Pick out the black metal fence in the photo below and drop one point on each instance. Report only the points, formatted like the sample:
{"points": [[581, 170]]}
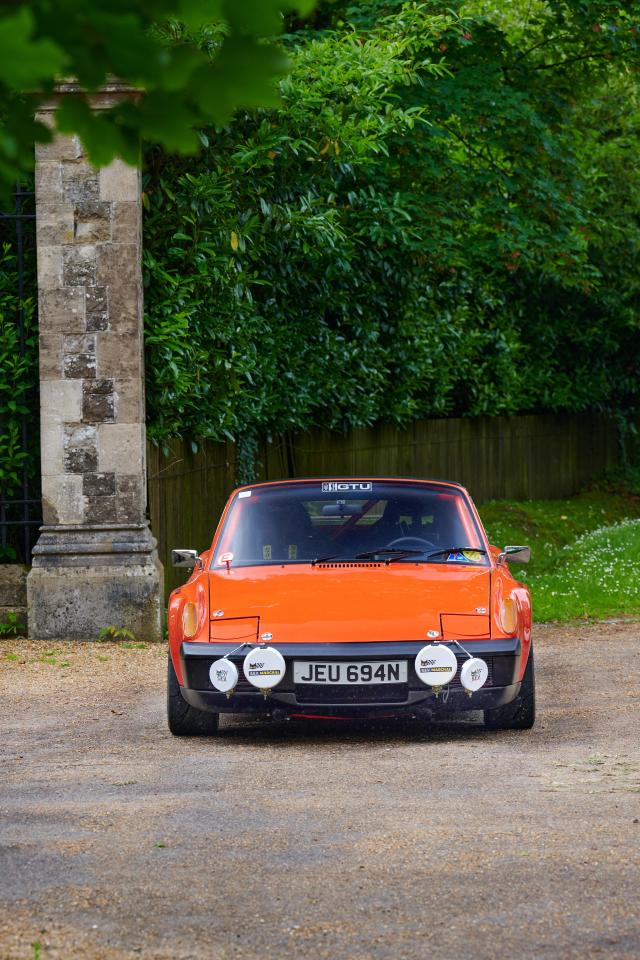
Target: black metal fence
{"points": [[21, 509]]}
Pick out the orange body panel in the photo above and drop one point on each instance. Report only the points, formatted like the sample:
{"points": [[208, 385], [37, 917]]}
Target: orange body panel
{"points": [[352, 603], [466, 626], [345, 603], [237, 628]]}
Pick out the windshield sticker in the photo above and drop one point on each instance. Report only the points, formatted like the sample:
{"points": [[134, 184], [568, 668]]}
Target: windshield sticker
{"points": [[456, 557], [473, 556], [244, 493], [344, 486], [266, 551], [293, 551]]}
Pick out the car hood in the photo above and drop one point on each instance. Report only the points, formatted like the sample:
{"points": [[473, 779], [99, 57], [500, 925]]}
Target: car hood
{"points": [[351, 603]]}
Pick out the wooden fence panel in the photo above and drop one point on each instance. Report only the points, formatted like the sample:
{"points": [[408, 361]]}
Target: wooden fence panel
{"points": [[541, 456]]}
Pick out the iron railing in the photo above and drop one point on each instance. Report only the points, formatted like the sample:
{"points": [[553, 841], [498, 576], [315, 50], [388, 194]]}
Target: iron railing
{"points": [[21, 515]]}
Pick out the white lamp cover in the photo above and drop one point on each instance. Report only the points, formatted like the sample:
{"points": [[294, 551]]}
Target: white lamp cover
{"points": [[223, 675], [436, 665], [264, 667], [473, 674]]}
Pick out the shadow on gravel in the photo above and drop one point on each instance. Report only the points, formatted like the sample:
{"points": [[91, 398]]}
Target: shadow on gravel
{"points": [[246, 731]]}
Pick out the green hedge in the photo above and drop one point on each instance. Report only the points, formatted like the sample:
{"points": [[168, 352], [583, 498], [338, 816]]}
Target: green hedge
{"points": [[433, 224]]}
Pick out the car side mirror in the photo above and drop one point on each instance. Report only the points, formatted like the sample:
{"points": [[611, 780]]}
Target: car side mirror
{"points": [[515, 555], [184, 558]]}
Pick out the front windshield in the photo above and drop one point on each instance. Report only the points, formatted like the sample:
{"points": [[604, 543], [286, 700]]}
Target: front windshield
{"points": [[315, 521]]}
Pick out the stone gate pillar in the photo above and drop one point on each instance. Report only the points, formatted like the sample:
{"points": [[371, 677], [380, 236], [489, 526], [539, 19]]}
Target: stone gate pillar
{"points": [[95, 563]]}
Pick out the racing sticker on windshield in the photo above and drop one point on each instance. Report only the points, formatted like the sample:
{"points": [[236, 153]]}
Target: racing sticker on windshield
{"points": [[293, 551], [266, 551], [473, 556], [456, 556], [244, 493], [347, 486]]}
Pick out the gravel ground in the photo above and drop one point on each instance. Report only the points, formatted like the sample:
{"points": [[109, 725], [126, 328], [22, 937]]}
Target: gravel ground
{"points": [[317, 841]]}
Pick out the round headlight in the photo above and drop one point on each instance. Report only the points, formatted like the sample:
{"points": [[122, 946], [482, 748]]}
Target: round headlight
{"points": [[190, 619]]}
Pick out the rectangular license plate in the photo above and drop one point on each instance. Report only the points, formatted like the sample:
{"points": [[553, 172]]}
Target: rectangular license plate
{"points": [[338, 671]]}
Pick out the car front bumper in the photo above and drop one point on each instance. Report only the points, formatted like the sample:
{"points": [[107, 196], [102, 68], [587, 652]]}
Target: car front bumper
{"points": [[346, 701]]}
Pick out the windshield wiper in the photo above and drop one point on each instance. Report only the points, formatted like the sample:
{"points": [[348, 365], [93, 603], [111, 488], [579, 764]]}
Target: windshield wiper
{"points": [[397, 553], [441, 553]]}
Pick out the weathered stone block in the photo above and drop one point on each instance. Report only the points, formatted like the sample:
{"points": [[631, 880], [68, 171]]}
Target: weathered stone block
{"points": [[62, 500], [62, 310], [80, 459], [98, 408], [80, 344], [60, 401], [80, 366], [119, 352], [13, 585], [119, 181], [49, 267], [54, 223], [129, 400], [100, 510], [80, 448], [79, 184], [92, 222], [62, 147], [99, 484], [79, 266], [118, 263], [76, 602], [98, 401], [127, 223], [131, 499], [125, 307], [51, 450], [51, 354], [120, 448], [81, 435], [48, 182], [97, 308], [103, 385]]}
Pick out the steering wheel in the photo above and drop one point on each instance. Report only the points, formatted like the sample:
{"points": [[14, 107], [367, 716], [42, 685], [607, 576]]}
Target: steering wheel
{"points": [[412, 543]]}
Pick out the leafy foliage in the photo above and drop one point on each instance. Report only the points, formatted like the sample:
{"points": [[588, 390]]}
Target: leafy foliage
{"points": [[440, 220], [18, 371], [115, 633], [11, 625], [201, 79]]}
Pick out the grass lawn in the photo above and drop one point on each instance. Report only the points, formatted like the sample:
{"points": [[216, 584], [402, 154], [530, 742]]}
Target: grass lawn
{"points": [[585, 552]]}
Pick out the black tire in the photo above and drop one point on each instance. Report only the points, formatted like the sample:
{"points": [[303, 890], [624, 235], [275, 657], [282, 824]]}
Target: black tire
{"points": [[185, 720], [520, 714]]}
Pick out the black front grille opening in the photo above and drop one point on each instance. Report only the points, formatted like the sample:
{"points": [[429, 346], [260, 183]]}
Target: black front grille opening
{"points": [[346, 693]]}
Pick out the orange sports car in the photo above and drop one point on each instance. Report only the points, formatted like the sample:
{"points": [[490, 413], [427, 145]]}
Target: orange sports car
{"points": [[350, 597]]}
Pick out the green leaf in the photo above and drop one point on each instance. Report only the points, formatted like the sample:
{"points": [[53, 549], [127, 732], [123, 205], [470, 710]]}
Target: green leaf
{"points": [[26, 62]]}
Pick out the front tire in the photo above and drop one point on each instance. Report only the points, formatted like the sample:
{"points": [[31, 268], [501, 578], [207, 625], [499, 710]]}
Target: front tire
{"points": [[520, 714], [185, 720]]}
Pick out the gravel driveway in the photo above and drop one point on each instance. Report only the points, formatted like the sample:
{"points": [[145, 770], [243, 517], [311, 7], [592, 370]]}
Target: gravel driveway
{"points": [[317, 841]]}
